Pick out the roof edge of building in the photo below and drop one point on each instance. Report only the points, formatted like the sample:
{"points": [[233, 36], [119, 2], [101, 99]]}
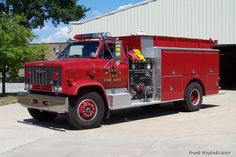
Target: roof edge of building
{"points": [[112, 12]]}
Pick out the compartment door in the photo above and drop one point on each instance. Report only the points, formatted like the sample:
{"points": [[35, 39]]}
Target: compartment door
{"points": [[172, 88], [212, 83]]}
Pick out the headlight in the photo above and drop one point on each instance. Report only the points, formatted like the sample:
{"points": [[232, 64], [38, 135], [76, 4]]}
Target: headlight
{"points": [[57, 89], [28, 86]]}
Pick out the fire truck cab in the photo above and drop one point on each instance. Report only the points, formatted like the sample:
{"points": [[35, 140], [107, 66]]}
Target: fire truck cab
{"points": [[97, 73]]}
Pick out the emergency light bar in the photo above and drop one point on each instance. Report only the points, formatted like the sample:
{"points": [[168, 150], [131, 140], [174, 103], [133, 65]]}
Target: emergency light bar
{"points": [[102, 35]]}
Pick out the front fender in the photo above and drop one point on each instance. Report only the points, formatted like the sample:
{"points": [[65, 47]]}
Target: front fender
{"points": [[74, 88], [78, 86], [90, 83]]}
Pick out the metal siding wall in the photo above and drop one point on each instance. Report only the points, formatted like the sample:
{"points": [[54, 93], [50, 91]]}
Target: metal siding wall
{"points": [[186, 18]]}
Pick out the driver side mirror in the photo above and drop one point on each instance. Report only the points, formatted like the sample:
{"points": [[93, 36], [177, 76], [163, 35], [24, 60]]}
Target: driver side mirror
{"points": [[56, 51]]}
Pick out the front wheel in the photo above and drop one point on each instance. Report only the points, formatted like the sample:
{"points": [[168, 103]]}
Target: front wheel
{"points": [[192, 98], [87, 111], [42, 115]]}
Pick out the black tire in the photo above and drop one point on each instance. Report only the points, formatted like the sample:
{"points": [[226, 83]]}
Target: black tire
{"points": [[86, 111], [192, 98], [42, 115]]}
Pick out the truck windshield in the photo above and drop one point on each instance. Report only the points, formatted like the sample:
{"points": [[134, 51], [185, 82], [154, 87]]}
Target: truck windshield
{"points": [[80, 50]]}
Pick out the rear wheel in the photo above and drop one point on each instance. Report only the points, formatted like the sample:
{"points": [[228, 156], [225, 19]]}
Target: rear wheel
{"points": [[192, 98], [42, 115], [87, 111]]}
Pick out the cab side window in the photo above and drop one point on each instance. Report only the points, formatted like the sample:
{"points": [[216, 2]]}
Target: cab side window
{"points": [[107, 51]]}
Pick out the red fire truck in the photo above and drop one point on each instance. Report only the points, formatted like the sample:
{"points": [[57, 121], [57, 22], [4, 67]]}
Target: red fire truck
{"points": [[97, 73]]}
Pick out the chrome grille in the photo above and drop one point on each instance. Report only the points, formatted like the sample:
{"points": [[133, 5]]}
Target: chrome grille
{"points": [[42, 75]]}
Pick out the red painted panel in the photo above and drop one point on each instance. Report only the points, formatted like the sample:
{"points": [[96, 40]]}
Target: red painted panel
{"points": [[134, 41], [205, 44], [172, 62], [172, 88], [166, 41], [112, 77], [131, 42], [184, 42], [193, 63], [198, 65], [211, 62], [212, 83]]}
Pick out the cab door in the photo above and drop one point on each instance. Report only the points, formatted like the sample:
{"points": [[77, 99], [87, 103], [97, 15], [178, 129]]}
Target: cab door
{"points": [[113, 71]]}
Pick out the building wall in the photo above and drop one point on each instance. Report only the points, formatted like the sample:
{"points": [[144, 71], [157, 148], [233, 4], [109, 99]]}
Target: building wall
{"points": [[205, 19]]}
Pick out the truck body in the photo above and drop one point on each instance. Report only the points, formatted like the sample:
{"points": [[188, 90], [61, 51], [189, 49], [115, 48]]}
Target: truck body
{"points": [[97, 73]]}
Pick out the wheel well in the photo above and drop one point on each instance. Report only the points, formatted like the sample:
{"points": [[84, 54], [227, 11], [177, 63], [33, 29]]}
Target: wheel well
{"points": [[100, 91], [199, 82]]}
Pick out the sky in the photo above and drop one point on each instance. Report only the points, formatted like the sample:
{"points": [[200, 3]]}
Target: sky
{"points": [[50, 34]]}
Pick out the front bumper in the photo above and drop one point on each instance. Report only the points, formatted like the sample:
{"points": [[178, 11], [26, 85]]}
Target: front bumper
{"points": [[43, 102]]}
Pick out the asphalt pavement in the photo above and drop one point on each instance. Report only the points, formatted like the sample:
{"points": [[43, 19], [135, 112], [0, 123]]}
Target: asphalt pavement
{"points": [[138, 132]]}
